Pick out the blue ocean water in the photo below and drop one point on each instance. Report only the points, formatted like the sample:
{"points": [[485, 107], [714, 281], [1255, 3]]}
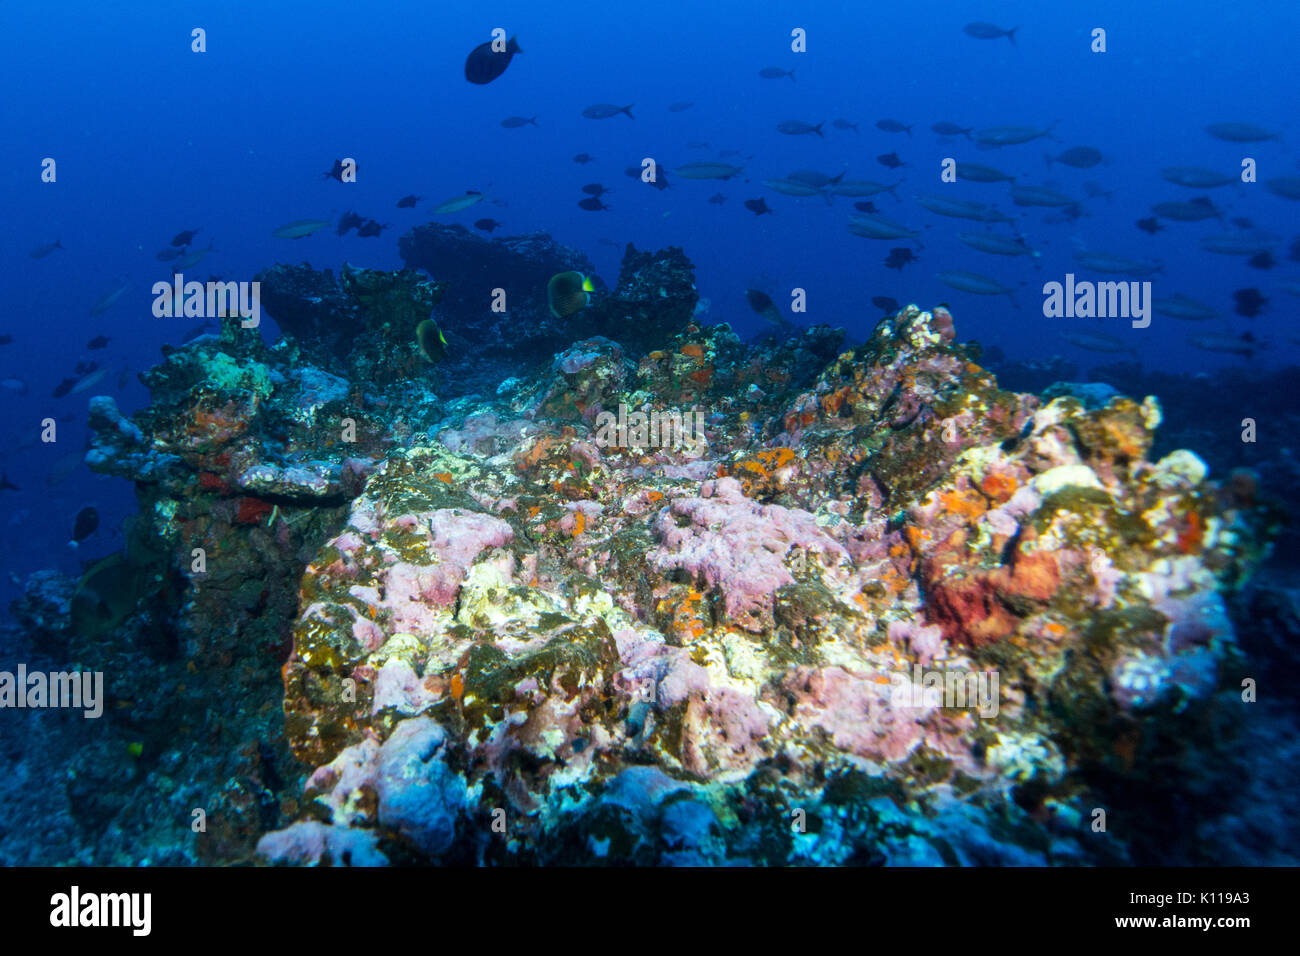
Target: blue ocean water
{"points": [[151, 138]]}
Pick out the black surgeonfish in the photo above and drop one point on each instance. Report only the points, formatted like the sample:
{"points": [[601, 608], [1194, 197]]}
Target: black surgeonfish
{"points": [[483, 65], [85, 525]]}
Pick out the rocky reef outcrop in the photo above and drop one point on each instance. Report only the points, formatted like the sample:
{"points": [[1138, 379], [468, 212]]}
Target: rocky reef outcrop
{"points": [[651, 595], [884, 612]]}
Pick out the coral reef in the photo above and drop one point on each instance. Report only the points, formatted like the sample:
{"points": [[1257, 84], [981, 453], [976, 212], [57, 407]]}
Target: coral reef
{"points": [[650, 596]]}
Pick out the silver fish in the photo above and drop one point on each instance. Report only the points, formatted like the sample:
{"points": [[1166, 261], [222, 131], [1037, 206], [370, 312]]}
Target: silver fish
{"points": [[1244, 344], [1097, 342], [975, 283], [814, 178], [457, 203], [107, 300], [1010, 135], [1105, 262], [1040, 196], [195, 256], [961, 209], [1080, 157], [798, 128], [1240, 132], [1179, 306], [861, 188], [300, 228], [997, 245], [90, 381], [1192, 211], [1247, 242], [1195, 177], [878, 227], [606, 110], [790, 188], [707, 170], [978, 173]]}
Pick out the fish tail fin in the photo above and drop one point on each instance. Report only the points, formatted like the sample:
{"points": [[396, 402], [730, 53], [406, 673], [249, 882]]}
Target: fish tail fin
{"points": [[790, 73], [58, 244], [836, 179], [628, 110], [1011, 35], [909, 129], [967, 132], [818, 129], [512, 46], [533, 120]]}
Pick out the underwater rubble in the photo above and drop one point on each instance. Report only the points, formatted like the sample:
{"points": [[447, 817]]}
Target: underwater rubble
{"points": [[662, 597]]}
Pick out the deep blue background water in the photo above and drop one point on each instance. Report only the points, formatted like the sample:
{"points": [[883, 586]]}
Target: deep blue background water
{"points": [[151, 138]]}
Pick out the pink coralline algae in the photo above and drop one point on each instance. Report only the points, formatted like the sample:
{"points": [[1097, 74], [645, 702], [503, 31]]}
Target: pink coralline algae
{"points": [[626, 657], [736, 545]]}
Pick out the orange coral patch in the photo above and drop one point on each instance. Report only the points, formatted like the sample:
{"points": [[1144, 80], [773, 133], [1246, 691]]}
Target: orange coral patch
{"points": [[999, 486]]}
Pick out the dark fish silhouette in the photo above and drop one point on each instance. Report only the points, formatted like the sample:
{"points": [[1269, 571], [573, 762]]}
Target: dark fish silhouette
{"points": [[594, 189], [899, 257], [63, 388], [890, 159], [757, 206], [1151, 224], [6, 339], [717, 199], [775, 73], [660, 181], [184, 238], [1262, 260], [885, 303], [607, 110], [408, 202], [370, 228], [487, 225], [762, 303], [893, 126], [350, 220], [592, 204], [334, 172], [1080, 157], [865, 205], [483, 65], [85, 525], [952, 129], [6, 484], [584, 158], [98, 342], [988, 31], [1250, 302]]}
